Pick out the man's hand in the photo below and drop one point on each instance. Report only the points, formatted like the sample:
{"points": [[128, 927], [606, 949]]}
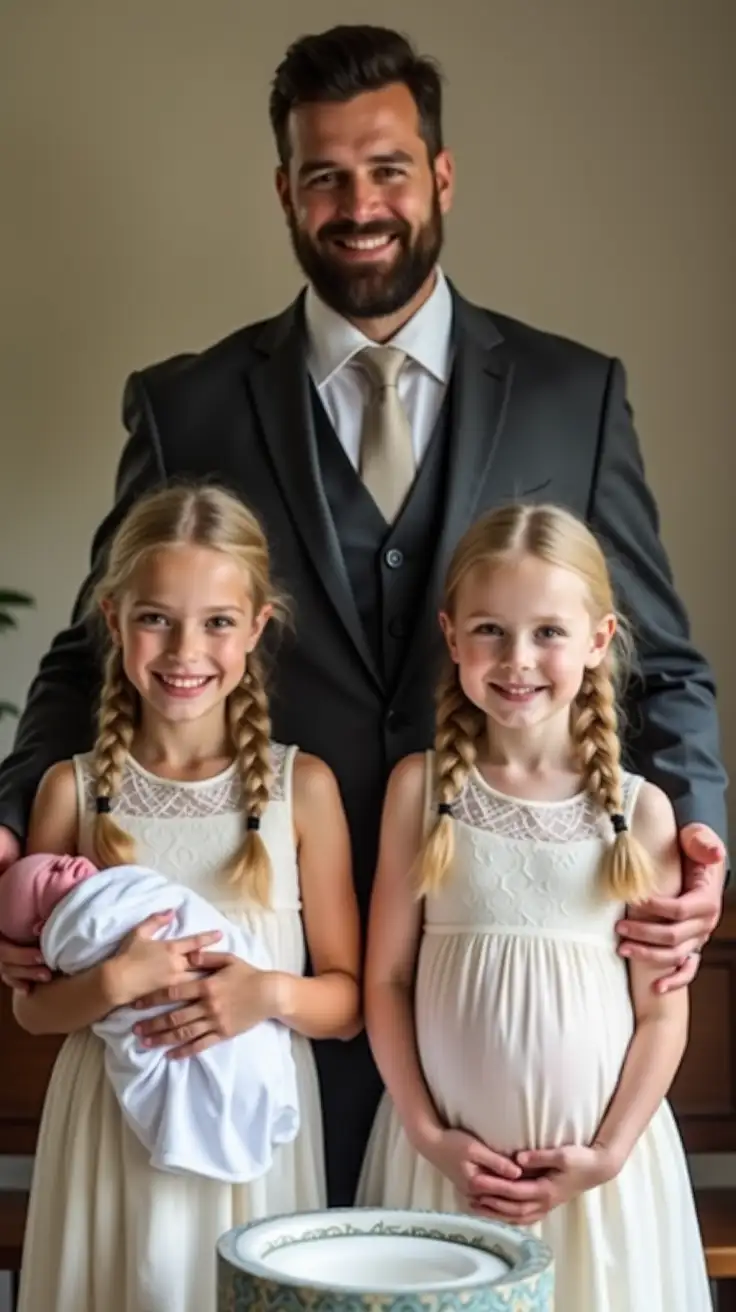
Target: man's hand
{"points": [[19, 967], [672, 931], [9, 848]]}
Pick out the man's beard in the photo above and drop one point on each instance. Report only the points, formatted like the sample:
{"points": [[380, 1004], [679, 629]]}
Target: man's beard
{"points": [[370, 292]]}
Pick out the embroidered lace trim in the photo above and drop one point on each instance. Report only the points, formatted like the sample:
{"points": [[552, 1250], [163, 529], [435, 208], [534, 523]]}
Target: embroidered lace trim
{"points": [[142, 795], [508, 817]]}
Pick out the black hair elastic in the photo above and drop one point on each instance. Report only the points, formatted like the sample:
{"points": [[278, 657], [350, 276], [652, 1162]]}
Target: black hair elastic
{"points": [[619, 823], [444, 808], [102, 805], [253, 822]]}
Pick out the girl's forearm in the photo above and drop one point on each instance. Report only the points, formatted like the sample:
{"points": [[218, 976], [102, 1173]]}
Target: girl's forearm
{"points": [[654, 1054], [321, 1007], [69, 1003], [390, 1024]]}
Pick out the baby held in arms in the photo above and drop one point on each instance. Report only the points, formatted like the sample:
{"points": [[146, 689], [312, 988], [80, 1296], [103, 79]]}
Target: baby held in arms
{"points": [[219, 1113]]}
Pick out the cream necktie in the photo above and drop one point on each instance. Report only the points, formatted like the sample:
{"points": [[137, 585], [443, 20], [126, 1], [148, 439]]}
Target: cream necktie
{"points": [[387, 465]]}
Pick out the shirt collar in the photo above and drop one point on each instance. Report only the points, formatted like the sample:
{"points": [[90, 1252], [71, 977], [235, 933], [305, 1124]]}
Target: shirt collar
{"points": [[426, 338]]}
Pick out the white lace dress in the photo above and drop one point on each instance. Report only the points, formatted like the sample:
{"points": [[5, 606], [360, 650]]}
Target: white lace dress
{"points": [[106, 1232], [523, 1019]]}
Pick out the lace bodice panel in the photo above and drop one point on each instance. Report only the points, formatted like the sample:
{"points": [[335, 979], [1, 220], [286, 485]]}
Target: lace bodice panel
{"points": [[527, 866], [143, 793], [190, 831]]}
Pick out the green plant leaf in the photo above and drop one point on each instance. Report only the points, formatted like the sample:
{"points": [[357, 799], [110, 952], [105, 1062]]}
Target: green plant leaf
{"points": [[10, 598], [7, 708], [7, 621]]}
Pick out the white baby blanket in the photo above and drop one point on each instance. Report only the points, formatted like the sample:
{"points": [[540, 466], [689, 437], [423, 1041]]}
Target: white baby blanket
{"points": [[219, 1113]]}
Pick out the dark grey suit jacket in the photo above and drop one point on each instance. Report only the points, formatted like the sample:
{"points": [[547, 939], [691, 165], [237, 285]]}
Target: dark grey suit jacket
{"points": [[534, 417]]}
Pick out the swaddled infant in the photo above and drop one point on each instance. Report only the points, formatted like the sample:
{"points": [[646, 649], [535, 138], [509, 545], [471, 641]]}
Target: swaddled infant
{"points": [[219, 1113]]}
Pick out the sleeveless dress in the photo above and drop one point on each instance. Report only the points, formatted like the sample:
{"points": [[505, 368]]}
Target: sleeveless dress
{"points": [[106, 1232], [523, 1018]]}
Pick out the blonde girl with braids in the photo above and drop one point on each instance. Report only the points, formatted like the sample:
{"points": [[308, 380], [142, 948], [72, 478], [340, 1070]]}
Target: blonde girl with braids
{"points": [[526, 1068], [184, 777]]}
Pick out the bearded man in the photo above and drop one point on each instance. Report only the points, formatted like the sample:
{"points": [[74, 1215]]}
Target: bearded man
{"points": [[367, 425]]}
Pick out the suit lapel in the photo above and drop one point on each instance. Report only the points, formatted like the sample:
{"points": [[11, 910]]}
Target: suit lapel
{"points": [[482, 377], [279, 384]]}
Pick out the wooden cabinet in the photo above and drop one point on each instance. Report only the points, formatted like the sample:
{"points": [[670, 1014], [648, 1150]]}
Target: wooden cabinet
{"points": [[25, 1066], [704, 1093]]}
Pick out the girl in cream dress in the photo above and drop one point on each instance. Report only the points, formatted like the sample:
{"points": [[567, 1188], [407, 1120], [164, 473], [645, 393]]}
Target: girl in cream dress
{"points": [[184, 777], [526, 1069]]}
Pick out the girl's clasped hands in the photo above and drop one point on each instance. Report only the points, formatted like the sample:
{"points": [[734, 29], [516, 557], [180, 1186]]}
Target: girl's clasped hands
{"points": [[523, 1188]]}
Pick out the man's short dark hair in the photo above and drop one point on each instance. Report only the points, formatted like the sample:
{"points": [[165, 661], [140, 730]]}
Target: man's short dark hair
{"points": [[346, 61]]}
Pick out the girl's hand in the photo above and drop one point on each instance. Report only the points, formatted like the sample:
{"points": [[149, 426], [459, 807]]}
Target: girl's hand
{"points": [[143, 963], [229, 1001], [564, 1173], [471, 1166]]}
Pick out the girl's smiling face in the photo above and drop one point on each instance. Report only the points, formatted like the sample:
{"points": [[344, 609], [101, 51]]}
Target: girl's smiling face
{"points": [[522, 636], [186, 624]]}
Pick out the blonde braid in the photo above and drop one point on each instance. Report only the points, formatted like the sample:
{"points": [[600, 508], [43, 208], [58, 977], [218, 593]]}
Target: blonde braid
{"points": [[595, 734], [627, 873], [250, 729], [459, 725], [115, 727]]}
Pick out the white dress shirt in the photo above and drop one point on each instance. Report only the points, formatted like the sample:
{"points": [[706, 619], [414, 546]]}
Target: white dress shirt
{"points": [[343, 385]]}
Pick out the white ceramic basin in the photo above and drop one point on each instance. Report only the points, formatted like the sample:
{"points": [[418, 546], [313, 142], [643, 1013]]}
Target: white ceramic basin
{"points": [[342, 1260], [400, 1263]]}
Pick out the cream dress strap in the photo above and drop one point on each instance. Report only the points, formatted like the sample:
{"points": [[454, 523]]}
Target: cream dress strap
{"points": [[81, 787], [287, 783], [631, 786], [429, 784]]}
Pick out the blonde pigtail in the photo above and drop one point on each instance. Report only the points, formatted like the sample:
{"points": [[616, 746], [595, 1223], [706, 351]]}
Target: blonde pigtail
{"points": [[458, 727], [115, 727], [627, 873], [250, 728]]}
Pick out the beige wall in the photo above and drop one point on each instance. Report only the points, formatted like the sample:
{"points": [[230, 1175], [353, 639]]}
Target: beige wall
{"points": [[596, 146]]}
